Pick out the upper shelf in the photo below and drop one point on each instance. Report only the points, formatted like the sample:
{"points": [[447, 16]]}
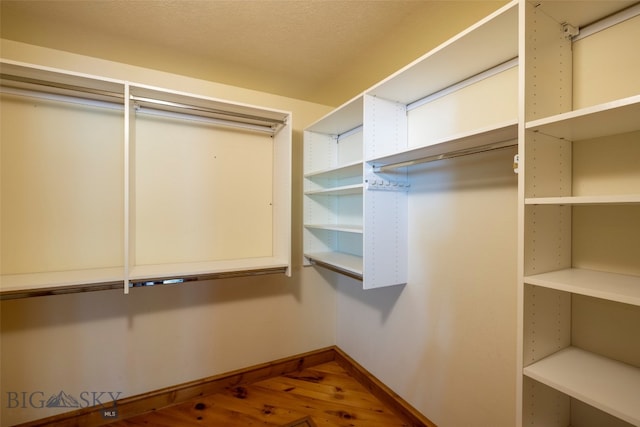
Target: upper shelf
{"points": [[611, 118], [49, 80], [156, 99], [490, 42], [587, 13], [343, 119]]}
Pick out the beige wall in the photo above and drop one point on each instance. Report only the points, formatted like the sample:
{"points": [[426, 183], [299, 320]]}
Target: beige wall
{"points": [[446, 341], [158, 337]]}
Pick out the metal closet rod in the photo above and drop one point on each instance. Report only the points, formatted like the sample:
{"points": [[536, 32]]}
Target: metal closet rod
{"points": [[207, 110], [451, 155]]}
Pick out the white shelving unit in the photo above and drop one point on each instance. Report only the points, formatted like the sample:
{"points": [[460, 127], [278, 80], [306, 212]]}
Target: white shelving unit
{"points": [[580, 195], [431, 84], [144, 201], [62, 223], [333, 191], [397, 125]]}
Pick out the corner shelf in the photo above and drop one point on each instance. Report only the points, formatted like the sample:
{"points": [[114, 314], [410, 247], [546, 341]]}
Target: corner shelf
{"points": [[603, 383]]}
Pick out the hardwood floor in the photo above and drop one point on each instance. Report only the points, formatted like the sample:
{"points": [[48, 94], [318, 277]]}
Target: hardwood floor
{"points": [[321, 388], [326, 393]]}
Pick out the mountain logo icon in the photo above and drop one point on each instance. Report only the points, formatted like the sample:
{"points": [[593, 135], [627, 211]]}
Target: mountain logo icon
{"points": [[62, 400]]}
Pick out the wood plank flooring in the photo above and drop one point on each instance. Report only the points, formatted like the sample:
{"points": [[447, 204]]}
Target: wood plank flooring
{"points": [[326, 393]]}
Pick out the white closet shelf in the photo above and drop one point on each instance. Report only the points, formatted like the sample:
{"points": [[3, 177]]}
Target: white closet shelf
{"points": [[501, 134], [49, 80], [338, 260], [611, 118], [200, 270], [18, 285], [343, 119], [434, 72], [343, 171], [599, 284], [587, 13], [337, 191], [606, 384], [347, 228], [157, 99], [617, 199]]}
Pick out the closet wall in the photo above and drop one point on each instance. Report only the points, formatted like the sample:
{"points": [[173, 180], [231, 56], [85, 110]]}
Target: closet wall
{"points": [[447, 339], [161, 336]]}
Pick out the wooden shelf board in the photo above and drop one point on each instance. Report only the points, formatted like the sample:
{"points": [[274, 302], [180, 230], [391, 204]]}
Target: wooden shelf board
{"points": [[351, 169], [467, 141], [621, 199], [498, 36], [340, 260], [337, 191], [610, 286], [347, 228], [611, 118], [606, 384]]}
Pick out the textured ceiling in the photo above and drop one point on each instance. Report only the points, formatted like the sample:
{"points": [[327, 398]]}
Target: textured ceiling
{"points": [[317, 50]]}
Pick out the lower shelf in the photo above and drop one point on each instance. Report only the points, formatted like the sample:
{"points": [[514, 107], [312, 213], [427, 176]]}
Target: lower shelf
{"points": [[207, 269], [59, 282], [342, 262], [606, 384], [66, 282]]}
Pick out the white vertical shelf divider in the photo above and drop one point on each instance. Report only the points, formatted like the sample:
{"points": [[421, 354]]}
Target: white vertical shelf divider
{"points": [[385, 196], [128, 123]]}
